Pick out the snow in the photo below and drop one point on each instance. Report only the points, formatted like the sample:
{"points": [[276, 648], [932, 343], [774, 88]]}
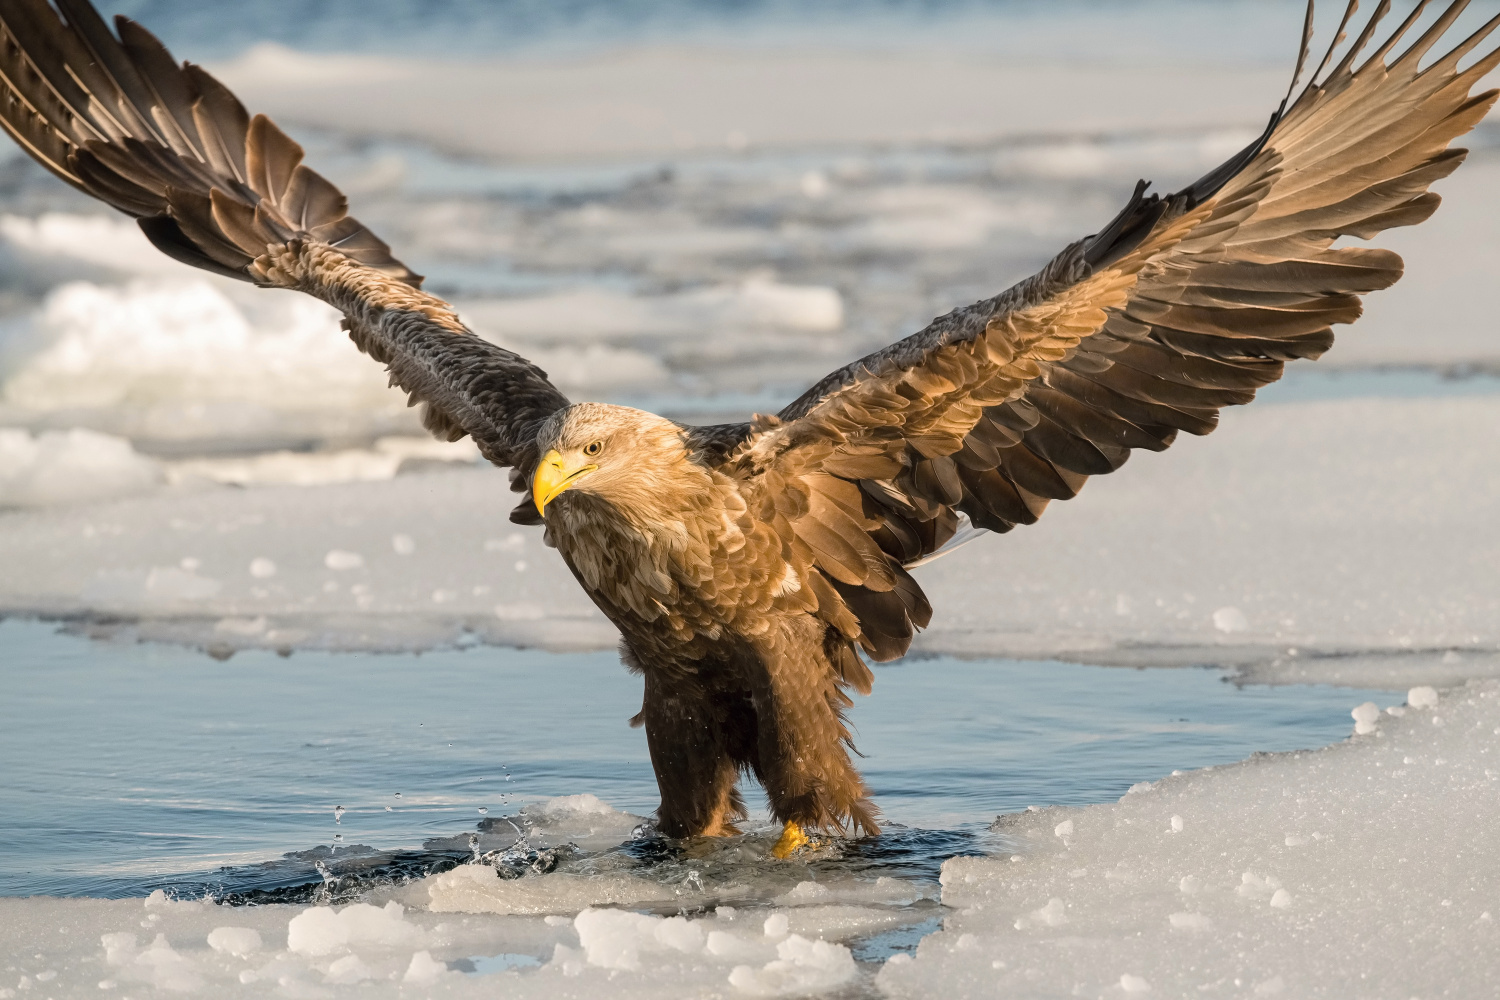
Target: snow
{"points": [[630, 102], [73, 466], [1355, 538], [588, 314], [1284, 874], [353, 949], [1371, 860]]}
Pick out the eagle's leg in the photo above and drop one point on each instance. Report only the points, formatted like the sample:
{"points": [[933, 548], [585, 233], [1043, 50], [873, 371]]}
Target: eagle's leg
{"points": [[803, 757], [691, 733]]}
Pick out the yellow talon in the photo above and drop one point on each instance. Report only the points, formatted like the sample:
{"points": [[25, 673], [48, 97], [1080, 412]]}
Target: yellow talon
{"points": [[792, 837]]}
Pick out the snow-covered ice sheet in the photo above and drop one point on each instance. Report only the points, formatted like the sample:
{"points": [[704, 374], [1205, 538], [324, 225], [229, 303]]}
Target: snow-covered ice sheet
{"points": [[632, 103], [1370, 868], [1347, 540], [76, 948], [1290, 874], [470, 932]]}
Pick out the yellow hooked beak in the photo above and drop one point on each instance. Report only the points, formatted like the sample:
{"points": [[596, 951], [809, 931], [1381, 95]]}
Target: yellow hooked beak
{"points": [[552, 477]]}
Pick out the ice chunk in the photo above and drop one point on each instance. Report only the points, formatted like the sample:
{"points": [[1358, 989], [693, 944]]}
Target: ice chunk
{"points": [[60, 467], [1422, 697], [186, 356], [814, 184], [119, 947], [804, 892], [884, 890], [322, 930], [341, 560], [801, 966], [614, 939], [1176, 824], [1134, 984], [166, 969], [238, 941], [349, 969], [583, 819], [403, 545], [1190, 922], [169, 584], [479, 889], [97, 239], [1063, 829], [1229, 619], [262, 568], [1054, 914], [1253, 886], [1365, 717], [758, 303], [424, 969]]}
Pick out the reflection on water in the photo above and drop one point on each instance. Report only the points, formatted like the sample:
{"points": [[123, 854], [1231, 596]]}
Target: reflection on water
{"points": [[136, 767]]}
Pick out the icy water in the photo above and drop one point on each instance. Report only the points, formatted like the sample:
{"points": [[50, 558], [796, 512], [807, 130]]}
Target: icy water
{"points": [[136, 767]]}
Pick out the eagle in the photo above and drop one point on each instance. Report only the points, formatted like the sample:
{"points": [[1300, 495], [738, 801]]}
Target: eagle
{"points": [[755, 569]]}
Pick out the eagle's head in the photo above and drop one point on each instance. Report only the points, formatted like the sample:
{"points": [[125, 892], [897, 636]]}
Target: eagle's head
{"points": [[626, 457]]}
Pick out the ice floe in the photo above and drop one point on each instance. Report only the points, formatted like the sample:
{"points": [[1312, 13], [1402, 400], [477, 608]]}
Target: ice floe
{"points": [[1350, 541], [1276, 875], [63, 467], [1290, 873], [195, 947]]}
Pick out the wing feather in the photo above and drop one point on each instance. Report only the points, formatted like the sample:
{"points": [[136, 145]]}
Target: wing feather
{"points": [[216, 188], [1178, 307]]}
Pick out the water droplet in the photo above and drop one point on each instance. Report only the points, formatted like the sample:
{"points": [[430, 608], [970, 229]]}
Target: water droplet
{"points": [[338, 814], [337, 837], [398, 795], [483, 811], [389, 809]]}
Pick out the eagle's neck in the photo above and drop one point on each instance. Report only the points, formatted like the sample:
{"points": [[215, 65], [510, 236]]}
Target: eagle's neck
{"points": [[651, 554]]}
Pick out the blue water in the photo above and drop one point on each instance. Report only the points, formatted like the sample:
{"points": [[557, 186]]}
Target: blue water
{"points": [[134, 767]]}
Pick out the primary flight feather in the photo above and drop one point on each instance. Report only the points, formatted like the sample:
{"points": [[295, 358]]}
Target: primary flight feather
{"points": [[752, 567]]}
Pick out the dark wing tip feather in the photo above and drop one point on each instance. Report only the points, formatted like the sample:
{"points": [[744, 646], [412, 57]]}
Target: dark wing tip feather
{"points": [[115, 115]]}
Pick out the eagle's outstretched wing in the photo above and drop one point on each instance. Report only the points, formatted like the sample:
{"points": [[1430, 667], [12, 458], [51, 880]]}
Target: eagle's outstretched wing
{"points": [[211, 186], [1180, 306]]}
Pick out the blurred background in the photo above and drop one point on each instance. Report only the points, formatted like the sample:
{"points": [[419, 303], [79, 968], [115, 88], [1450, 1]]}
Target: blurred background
{"points": [[694, 206]]}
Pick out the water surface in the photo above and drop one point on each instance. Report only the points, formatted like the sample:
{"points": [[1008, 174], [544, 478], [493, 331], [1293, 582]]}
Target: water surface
{"points": [[135, 767]]}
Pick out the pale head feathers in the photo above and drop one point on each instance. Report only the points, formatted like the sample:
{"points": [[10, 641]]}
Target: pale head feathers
{"points": [[642, 459]]}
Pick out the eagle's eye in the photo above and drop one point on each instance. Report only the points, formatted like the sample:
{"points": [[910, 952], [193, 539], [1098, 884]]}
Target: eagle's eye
{"points": [[593, 448]]}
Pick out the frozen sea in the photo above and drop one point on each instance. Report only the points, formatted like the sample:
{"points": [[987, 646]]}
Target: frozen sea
{"points": [[289, 708]]}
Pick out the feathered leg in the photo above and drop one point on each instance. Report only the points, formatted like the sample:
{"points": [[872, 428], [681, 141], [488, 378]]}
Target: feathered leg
{"points": [[697, 740], [803, 744]]}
